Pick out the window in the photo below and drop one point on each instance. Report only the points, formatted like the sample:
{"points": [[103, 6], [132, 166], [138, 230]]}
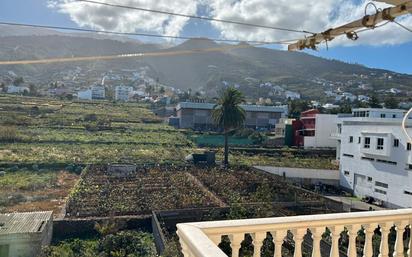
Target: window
{"points": [[379, 145], [369, 179], [388, 162], [367, 142], [383, 115], [380, 184], [396, 143], [394, 116], [351, 139], [367, 159], [346, 173], [407, 192], [348, 155], [380, 191], [359, 140], [408, 146]]}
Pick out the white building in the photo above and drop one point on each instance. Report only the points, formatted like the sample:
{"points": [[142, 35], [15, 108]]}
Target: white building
{"points": [[24, 234], [94, 92], [375, 157], [12, 89], [292, 95], [122, 93], [325, 125]]}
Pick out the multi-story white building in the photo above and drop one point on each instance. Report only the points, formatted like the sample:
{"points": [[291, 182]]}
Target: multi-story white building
{"points": [[122, 93], [94, 92], [375, 156]]}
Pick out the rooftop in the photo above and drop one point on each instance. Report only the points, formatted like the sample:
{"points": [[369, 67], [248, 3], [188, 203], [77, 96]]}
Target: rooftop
{"points": [[25, 222], [378, 110], [246, 107]]}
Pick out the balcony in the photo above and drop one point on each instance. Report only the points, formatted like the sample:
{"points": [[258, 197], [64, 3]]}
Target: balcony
{"points": [[202, 239]]}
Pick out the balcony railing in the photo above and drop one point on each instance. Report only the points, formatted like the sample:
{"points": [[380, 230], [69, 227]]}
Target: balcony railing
{"points": [[202, 239]]}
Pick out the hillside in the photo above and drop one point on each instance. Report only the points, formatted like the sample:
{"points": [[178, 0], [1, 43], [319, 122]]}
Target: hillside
{"points": [[246, 67]]}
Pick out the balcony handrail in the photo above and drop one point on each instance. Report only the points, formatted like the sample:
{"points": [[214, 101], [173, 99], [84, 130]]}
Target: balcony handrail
{"points": [[202, 238]]}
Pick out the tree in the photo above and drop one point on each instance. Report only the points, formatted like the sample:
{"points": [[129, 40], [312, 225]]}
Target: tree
{"points": [[228, 115], [18, 81], [374, 102], [391, 103]]}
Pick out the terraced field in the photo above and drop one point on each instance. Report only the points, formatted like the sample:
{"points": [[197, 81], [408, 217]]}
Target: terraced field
{"points": [[101, 193]]}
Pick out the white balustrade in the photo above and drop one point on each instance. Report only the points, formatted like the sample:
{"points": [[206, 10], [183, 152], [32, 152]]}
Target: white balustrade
{"points": [[202, 239]]}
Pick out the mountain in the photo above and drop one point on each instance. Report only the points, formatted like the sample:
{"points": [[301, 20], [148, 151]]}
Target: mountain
{"points": [[199, 64]]}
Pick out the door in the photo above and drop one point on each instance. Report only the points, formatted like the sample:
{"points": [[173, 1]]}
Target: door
{"points": [[361, 186]]}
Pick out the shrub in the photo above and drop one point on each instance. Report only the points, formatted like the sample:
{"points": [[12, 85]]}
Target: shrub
{"points": [[8, 134]]}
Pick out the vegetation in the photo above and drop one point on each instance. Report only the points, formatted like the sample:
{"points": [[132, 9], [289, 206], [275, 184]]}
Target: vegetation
{"points": [[228, 115], [120, 244], [45, 131], [100, 193], [35, 189]]}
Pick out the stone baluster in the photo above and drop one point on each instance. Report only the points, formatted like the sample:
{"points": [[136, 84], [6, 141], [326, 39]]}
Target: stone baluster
{"points": [[185, 250], [369, 232], [278, 237], [385, 230], [298, 236], [258, 242], [235, 241], [400, 229], [335, 234], [410, 239], [353, 234], [317, 237]]}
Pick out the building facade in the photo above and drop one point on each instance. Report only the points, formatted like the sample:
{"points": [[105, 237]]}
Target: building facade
{"points": [[313, 130], [24, 234], [375, 157], [199, 116], [122, 93]]}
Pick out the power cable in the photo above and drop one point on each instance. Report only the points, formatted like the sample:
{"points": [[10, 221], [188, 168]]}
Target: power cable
{"points": [[402, 26], [145, 34], [195, 17]]}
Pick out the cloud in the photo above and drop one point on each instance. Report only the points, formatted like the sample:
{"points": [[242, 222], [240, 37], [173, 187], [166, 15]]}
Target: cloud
{"points": [[126, 20], [310, 15]]}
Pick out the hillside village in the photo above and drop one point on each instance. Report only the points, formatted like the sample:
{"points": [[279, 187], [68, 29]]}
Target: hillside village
{"points": [[116, 142]]}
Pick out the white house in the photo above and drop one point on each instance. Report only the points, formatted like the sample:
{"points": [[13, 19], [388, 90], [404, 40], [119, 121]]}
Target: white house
{"points": [[292, 95], [12, 89], [375, 156], [325, 125], [122, 93], [94, 92]]}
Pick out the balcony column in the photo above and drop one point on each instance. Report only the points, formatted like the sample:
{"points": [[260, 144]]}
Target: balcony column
{"points": [[400, 229], [353, 234], [369, 231], [278, 237], [384, 249], [410, 239], [235, 241], [335, 233], [258, 242], [317, 237], [298, 236]]}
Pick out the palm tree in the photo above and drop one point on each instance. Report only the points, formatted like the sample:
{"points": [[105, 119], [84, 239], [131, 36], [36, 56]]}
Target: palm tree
{"points": [[228, 114]]}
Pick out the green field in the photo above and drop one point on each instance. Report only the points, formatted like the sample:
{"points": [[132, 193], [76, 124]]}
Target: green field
{"points": [[49, 131], [218, 140]]}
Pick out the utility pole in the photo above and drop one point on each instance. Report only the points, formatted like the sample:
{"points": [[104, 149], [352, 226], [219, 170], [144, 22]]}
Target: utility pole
{"points": [[400, 8]]}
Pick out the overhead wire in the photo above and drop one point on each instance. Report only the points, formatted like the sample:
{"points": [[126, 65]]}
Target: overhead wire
{"points": [[141, 34], [195, 16]]}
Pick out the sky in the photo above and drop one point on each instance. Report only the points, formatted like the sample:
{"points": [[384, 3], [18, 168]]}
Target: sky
{"points": [[388, 47]]}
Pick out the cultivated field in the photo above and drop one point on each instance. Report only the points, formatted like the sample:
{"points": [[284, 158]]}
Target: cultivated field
{"points": [[101, 193]]}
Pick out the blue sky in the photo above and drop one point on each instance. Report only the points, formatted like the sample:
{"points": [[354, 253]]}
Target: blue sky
{"points": [[392, 57]]}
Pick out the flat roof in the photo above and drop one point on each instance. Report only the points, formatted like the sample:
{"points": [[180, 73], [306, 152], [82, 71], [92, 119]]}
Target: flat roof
{"points": [[378, 110], [246, 107], [23, 222]]}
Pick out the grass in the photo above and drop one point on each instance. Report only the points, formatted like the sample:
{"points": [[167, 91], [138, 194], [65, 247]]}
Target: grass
{"points": [[218, 140], [28, 180]]}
